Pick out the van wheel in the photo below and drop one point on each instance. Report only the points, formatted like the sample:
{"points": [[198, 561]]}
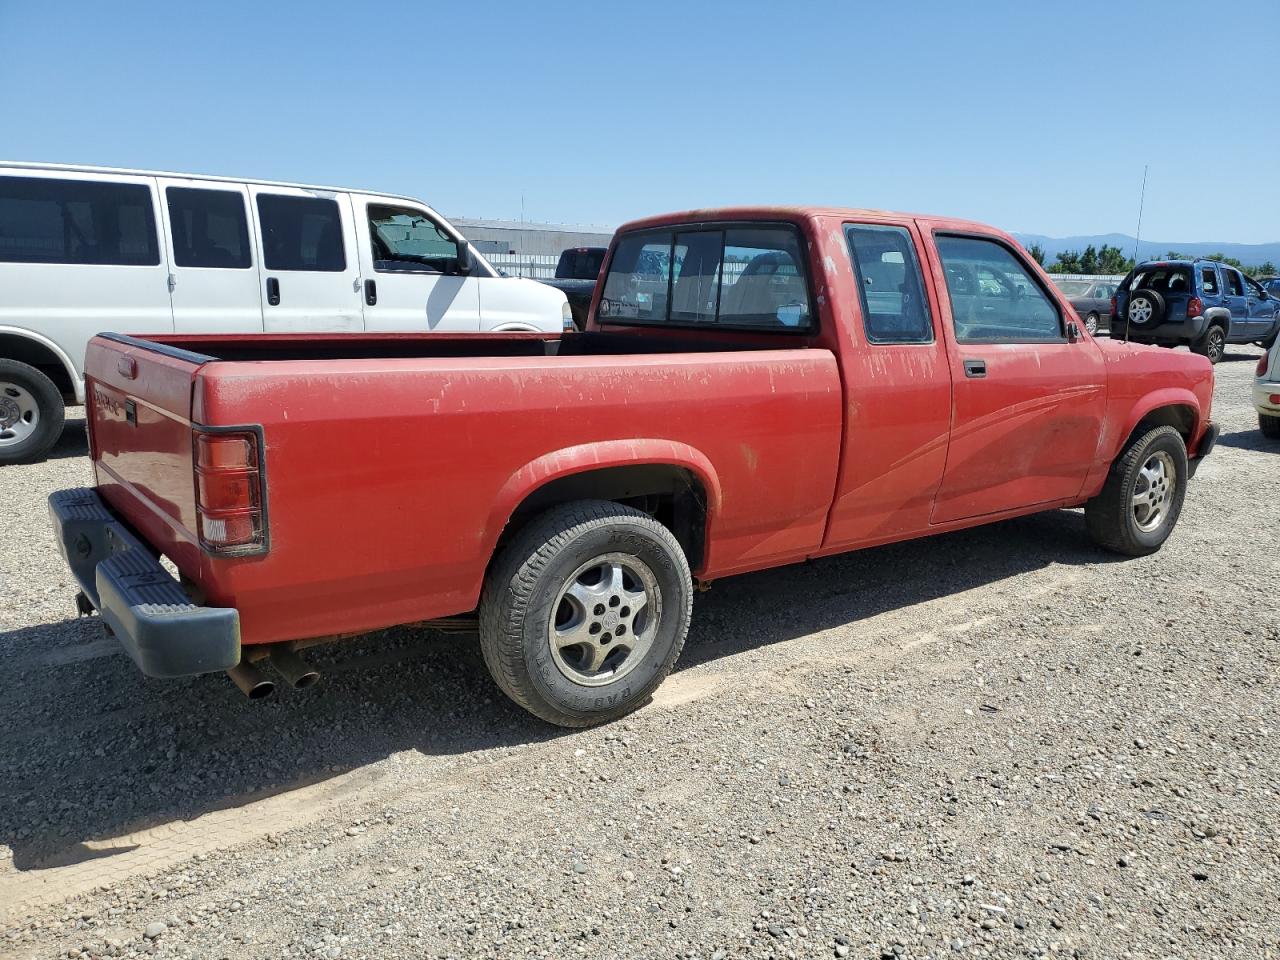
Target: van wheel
{"points": [[1212, 345], [31, 413], [1142, 498], [584, 613]]}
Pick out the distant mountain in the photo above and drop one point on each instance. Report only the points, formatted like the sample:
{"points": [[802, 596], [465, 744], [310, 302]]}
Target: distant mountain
{"points": [[1247, 253]]}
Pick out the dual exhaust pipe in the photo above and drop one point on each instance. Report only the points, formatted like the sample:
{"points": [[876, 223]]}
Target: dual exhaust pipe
{"points": [[256, 685]]}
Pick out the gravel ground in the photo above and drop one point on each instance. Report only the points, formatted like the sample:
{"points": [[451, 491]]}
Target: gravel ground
{"points": [[994, 743]]}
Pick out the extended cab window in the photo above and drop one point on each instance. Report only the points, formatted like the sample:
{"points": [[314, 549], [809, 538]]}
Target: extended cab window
{"points": [[993, 297], [406, 240], [51, 220], [889, 284], [747, 276], [209, 228], [301, 233]]}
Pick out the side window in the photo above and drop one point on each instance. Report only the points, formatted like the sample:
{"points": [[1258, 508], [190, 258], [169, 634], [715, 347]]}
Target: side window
{"points": [[1254, 288], [1231, 280], [993, 298], [50, 220], [209, 228], [301, 233], [407, 240], [889, 284], [1209, 281], [748, 276]]}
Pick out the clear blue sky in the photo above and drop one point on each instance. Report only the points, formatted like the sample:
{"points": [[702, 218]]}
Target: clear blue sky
{"points": [[1012, 113]]}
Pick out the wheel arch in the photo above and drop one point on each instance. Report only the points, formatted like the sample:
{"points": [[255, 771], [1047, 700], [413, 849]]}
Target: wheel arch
{"points": [[1171, 407], [36, 350], [674, 481]]}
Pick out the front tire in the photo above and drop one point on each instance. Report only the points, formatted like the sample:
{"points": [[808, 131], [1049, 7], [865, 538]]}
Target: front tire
{"points": [[1140, 503], [1269, 424], [31, 413], [585, 612]]}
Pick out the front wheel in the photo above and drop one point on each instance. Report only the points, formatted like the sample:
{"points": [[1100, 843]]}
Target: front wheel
{"points": [[31, 413], [585, 612], [1139, 504], [1269, 424]]}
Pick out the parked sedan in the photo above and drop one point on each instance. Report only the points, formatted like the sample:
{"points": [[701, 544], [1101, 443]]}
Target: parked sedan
{"points": [[1091, 300]]}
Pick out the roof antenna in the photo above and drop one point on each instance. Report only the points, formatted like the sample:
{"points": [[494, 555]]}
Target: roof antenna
{"points": [[1137, 238]]}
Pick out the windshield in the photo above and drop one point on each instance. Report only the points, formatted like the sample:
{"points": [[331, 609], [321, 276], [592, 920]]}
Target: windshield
{"points": [[1073, 288]]}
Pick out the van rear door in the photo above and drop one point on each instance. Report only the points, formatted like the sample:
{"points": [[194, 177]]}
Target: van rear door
{"points": [[213, 267], [310, 270]]}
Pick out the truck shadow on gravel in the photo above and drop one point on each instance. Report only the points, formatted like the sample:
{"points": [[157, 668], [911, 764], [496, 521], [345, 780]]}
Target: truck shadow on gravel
{"points": [[93, 750]]}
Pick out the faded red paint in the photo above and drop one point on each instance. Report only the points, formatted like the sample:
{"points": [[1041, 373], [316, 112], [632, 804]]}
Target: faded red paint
{"points": [[391, 480]]}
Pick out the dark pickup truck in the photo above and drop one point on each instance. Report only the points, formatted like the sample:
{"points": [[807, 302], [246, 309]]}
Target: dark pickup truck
{"points": [[576, 276]]}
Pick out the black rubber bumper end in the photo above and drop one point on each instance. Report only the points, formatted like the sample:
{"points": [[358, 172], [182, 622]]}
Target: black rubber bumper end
{"points": [[146, 608]]}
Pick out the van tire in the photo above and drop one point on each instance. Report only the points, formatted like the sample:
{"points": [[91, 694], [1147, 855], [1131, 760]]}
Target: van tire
{"points": [[21, 385], [1111, 517], [538, 578]]}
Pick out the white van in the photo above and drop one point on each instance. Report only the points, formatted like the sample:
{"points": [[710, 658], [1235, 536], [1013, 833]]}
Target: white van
{"points": [[90, 249]]}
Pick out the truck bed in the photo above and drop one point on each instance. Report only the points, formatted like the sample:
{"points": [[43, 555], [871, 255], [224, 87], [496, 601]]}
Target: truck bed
{"points": [[393, 463]]}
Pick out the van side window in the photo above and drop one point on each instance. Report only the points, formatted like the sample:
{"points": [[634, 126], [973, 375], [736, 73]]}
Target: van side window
{"points": [[993, 297], [1209, 281], [301, 233], [209, 228], [52, 220], [406, 240], [889, 284]]}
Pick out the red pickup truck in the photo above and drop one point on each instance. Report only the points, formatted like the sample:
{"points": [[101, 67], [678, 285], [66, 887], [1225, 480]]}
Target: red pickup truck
{"points": [[756, 386]]}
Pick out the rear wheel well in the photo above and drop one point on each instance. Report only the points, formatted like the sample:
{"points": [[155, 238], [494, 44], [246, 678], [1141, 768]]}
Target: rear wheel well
{"points": [[36, 354], [670, 494]]}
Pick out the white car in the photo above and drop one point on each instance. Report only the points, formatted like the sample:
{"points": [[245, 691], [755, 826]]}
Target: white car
{"points": [[85, 250], [1266, 392]]}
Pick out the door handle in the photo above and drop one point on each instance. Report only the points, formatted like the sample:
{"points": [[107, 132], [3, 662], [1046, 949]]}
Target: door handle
{"points": [[273, 291], [975, 368], [371, 293]]}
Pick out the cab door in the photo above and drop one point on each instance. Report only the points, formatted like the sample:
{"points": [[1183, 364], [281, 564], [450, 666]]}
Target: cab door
{"points": [[310, 269], [1235, 301], [1028, 400], [897, 392], [1261, 307], [411, 269], [213, 266]]}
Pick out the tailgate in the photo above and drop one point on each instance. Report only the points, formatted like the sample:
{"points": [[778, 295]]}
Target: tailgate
{"points": [[138, 406]]}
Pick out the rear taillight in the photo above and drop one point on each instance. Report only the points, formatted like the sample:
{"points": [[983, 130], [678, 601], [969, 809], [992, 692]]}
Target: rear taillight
{"points": [[231, 507], [1113, 306], [1194, 308], [1261, 368]]}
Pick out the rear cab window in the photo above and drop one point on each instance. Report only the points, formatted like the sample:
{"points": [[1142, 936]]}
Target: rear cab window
{"points": [[743, 276]]}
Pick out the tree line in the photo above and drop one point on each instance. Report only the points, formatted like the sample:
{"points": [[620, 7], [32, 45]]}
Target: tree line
{"points": [[1110, 260]]}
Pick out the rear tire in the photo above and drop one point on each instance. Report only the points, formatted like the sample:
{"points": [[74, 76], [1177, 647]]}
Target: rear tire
{"points": [[585, 612], [1091, 324], [1212, 345], [1269, 424], [31, 413], [1140, 503]]}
